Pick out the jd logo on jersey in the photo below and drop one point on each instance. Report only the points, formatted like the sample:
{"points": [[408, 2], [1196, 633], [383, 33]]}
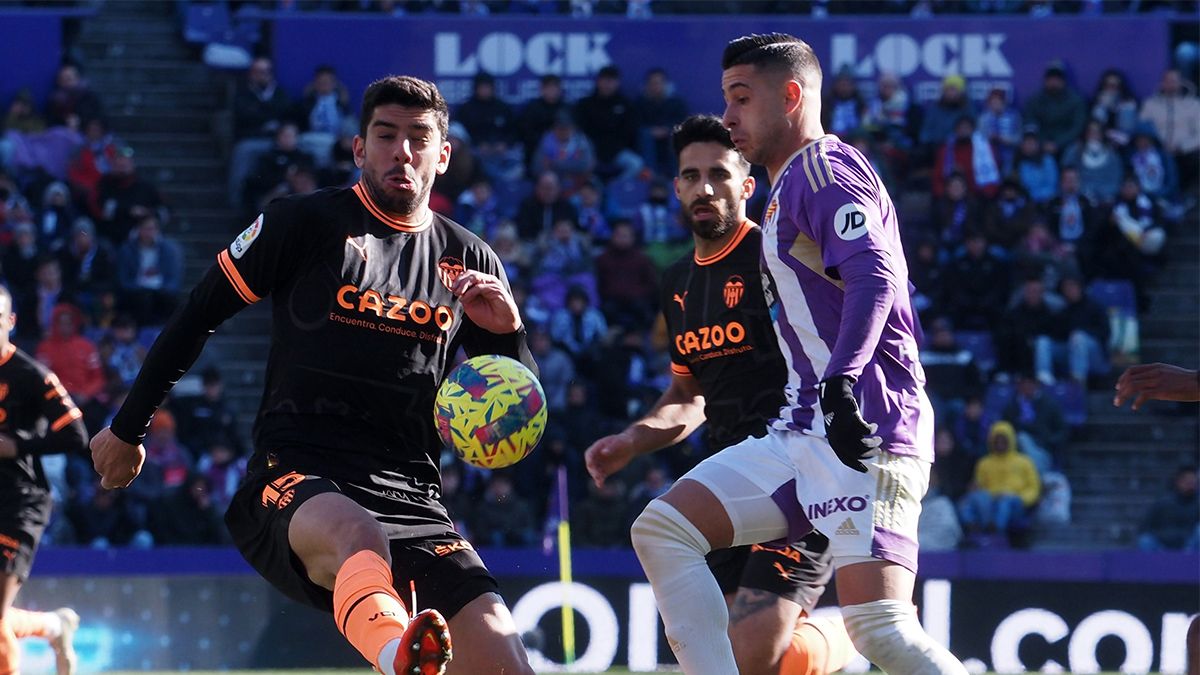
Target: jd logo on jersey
{"points": [[449, 269], [735, 288], [850, 222]]}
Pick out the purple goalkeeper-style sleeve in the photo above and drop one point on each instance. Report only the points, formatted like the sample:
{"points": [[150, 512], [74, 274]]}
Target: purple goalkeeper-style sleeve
{"points": [[870, 291]]}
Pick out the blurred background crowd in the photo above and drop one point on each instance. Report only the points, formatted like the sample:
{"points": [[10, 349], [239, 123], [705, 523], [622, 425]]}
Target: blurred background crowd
{"points": [[1034, 231]]}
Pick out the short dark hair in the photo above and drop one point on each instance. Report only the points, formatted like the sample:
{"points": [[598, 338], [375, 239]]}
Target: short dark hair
{"points": [[408, 91], [775, 52], [702, 129]]}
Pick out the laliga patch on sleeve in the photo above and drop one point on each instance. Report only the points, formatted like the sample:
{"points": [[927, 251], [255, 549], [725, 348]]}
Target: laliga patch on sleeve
{"points": [[247, 237], [850, 222]]}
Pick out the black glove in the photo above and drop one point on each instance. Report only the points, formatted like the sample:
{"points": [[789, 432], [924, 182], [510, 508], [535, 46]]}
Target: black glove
{"points": [[848, 433]]}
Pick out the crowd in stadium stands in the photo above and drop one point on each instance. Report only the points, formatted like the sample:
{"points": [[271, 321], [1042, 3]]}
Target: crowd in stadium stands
{"points": [[1018, 217], [640, 9]]}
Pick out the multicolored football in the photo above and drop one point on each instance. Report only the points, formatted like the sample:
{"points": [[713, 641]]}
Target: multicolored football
{"points": [[490, 411]]}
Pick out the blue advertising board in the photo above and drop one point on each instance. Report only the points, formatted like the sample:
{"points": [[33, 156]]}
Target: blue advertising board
{"points": [[1006, 52]]}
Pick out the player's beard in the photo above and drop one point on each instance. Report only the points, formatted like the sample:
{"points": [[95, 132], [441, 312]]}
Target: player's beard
{"points": [[396, 201], [725, 221]]}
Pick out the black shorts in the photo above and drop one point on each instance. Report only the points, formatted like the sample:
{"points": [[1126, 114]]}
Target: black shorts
{"points": [[445, 569], [22, 521], [798, 572]]}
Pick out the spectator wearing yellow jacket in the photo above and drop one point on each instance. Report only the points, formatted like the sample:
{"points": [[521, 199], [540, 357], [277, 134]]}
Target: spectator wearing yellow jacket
{"points": [[1006, 486]]}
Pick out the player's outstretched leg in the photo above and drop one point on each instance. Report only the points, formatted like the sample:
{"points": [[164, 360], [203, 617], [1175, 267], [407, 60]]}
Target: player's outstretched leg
{"points": [[818, 647], [373, 619], [488, 643], [57, 627], [884, 626], [715, 505], [345, 550], [765, 645], [769, 621], [671, 549]]}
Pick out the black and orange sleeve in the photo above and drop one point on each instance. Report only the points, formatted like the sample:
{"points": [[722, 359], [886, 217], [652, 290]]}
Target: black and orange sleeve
{"points": [[64, 432], [244, 272], [261, 256]]}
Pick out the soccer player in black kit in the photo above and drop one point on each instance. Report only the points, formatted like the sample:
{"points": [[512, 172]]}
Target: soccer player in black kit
{"points": [[727, 370], [37, 418], [372, 296]]}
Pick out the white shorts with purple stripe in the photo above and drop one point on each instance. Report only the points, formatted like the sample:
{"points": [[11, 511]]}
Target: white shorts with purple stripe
{"points": [[866, 516]]}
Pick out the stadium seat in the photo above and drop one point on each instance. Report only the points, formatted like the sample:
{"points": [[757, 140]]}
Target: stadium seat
{"points": [[1073, 400], [981, 346], [1114, 295], [509, 195], [1119, 299], [625, 195], [147, 335], [995, 400], [551, 289], [204, 23]]}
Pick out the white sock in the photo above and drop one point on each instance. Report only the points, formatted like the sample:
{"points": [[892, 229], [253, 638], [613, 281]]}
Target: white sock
{"points": [[672, 551], [889, 635], [387, 657], [54, 625]]}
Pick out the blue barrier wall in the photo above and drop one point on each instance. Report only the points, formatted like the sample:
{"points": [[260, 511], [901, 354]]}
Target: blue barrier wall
{"points": [[184, 609], [1093, 567]]}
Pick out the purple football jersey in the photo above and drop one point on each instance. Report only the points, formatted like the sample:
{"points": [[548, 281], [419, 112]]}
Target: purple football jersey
{"points": [[827, 205]]}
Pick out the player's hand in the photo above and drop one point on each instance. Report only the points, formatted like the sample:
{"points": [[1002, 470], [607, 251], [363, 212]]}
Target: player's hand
{"points": [[8, 447], [852, 439], [607, 456], [1160, 381], [117, 462], [487, 302]]}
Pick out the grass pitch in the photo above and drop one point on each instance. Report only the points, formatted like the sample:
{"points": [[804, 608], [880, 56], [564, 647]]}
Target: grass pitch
{"points": [[365, 670]]}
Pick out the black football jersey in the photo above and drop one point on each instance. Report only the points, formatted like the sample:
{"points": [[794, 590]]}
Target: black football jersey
{"points": [[720, 332], [36, 410], [364, 329]]}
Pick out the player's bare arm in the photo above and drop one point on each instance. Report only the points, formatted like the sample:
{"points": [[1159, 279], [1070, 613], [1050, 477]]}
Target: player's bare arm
{"points": [[1159, 381], [676, 414], [487, 302]]}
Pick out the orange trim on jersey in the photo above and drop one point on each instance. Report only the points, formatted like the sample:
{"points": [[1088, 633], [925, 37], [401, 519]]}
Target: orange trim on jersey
{"points": [[7, 352], [68, 417], [390, 221], [729, 245], [235, 278], [680, 370]]}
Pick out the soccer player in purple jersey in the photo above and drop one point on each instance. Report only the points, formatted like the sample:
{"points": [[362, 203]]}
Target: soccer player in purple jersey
{"points": [[849, 454]]}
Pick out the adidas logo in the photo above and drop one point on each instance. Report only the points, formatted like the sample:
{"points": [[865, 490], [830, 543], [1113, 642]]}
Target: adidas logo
{"points": [[847, 528]]}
